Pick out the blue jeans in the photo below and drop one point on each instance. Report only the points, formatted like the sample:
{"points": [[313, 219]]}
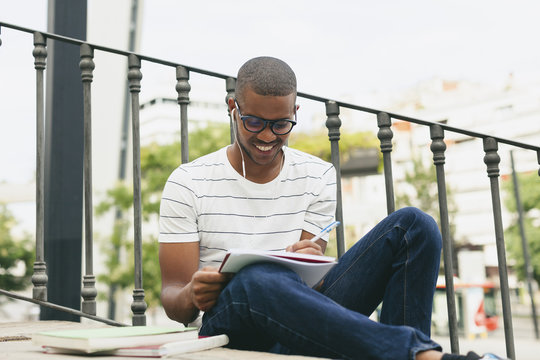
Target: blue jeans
{"points": [[266, 307]]}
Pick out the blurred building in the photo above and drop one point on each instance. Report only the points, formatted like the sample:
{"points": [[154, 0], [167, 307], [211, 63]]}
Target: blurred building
{"points": [[507, 110]]}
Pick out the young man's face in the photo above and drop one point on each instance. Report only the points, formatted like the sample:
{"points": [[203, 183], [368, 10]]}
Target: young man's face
{"points": [[263, 147]]}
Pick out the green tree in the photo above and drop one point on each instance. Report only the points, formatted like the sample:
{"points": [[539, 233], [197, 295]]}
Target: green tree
{"points": [[529, 191], [318, 144], [14, 253]]}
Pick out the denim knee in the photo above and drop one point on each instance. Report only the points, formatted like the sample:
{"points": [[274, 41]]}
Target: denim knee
{"points": [[411, 213], [419, 222]]}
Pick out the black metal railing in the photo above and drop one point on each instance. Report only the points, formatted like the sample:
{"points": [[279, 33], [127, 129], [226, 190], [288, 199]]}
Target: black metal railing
{"points": [[333, 123]]}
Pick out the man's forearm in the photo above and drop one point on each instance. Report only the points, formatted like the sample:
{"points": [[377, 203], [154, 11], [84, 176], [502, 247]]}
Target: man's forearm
{"points": [[178, 304]]}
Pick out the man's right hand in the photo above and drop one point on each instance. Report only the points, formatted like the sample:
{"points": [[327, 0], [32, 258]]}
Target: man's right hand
{"points": [[186, 289], [206, 285]]}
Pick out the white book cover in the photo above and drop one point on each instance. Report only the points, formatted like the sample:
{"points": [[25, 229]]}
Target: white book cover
{"points": [[174, 348], [154, 351], [100, 339]]}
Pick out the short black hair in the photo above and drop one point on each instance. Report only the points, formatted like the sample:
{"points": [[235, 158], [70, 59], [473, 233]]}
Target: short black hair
{"points": [[266, 75]]}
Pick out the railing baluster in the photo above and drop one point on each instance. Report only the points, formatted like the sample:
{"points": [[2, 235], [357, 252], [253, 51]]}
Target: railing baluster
{"points": [[438, 147], [529, 271], [492, 160], [183, 88], [88, 292], [333, 123], [39, 278], [385, 135], [230, 86], [538, 160], [138, 306]]}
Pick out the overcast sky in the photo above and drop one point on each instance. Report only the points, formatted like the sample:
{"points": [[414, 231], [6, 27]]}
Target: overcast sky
{"points": [[338, 49], [352, 47]]}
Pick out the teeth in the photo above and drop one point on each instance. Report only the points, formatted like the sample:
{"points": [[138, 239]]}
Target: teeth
{"points": [[263, 148]]}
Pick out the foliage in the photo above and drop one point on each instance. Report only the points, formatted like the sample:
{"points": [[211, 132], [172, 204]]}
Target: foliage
{"points": [[157, 163], [529, 190], [318, 144], [121, 268], [13, 254]]}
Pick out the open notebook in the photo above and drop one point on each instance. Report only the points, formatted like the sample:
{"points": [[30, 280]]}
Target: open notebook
{"points": [[311, 268]]}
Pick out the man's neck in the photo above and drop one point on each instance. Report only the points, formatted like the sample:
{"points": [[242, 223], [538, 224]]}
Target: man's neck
{"points": [[254, 172]]}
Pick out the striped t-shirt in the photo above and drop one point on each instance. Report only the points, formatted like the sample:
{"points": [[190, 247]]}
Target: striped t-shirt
{"points": [[208, 201]]}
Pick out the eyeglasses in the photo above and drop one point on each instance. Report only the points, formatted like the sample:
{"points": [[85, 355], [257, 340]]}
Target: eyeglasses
{"points": [[256, 124]]}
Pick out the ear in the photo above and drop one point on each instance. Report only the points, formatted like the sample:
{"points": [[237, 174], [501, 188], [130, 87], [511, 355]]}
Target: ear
{"points": [[231, 104]]}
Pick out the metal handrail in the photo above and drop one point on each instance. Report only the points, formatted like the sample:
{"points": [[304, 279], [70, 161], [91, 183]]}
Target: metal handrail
{"points": [[61, 308]]}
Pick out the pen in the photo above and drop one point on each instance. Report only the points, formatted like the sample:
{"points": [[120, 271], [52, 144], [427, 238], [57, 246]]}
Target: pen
{"points": [[325, 230]]}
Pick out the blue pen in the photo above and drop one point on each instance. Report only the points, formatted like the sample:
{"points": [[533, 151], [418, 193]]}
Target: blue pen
{"points": [[325, 230]]}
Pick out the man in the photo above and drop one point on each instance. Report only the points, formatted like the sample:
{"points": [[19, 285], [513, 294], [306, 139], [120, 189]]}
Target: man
{"points": [[258, 193]]}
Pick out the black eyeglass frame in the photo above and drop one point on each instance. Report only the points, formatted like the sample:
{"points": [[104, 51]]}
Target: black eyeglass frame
{"points": [[265, 121]]}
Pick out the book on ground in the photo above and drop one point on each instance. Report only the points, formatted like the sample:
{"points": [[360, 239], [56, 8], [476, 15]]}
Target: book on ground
{"points": [[173, 348], [159, 350], [100, 339], [311, 268]]}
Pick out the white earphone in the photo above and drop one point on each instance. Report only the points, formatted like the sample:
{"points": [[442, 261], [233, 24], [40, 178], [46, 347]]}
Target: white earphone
{"points": [[238, 143], [233, 123]]}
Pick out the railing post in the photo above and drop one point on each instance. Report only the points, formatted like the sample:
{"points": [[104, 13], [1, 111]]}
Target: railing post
{"points": [[538, 160], [492, 160], [230, 85], [385, 135], [183, 88], [333, 123], [438, 147], [529, 271], [39, 278], [88, 292], [138, 306]]}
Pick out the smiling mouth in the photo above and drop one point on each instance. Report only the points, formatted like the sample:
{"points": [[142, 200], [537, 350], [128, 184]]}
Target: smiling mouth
{"points": [[264, 147]]}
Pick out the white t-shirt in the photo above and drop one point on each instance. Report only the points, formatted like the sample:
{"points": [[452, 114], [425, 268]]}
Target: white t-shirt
{"points": [[208, 201]]}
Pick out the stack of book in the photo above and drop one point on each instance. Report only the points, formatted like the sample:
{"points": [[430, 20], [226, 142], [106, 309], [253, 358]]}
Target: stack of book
{"points": [[138, 341]]}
